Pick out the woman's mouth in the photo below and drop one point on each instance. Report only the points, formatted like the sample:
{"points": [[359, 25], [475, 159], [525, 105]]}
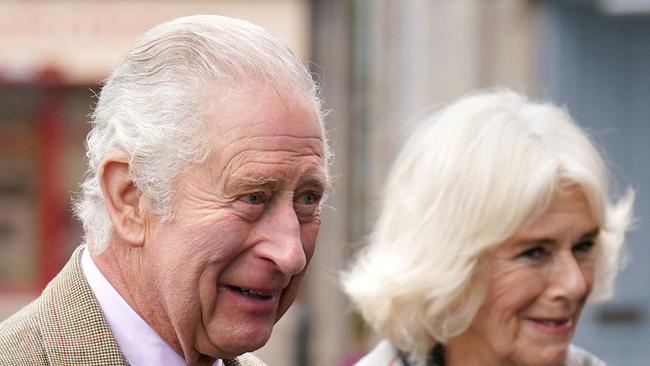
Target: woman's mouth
{"points": [[552, 325]]}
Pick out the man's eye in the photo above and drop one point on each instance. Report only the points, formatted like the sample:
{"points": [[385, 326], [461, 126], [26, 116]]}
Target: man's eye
{"points": [[254, 198], [307, 205], [310, 198], [535, 253]]}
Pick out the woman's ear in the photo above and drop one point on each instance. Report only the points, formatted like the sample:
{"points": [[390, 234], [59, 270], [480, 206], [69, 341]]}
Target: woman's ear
{"points": [[123, 199]]}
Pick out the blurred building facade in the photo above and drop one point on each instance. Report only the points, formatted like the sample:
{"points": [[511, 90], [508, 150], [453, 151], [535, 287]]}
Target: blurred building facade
{"points": [[382, 63]]}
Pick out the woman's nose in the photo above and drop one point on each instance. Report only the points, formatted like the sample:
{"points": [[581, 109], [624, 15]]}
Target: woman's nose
{"points": [[570, 279]]}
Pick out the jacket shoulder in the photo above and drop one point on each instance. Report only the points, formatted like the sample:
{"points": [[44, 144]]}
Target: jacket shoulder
{"points": [[64, 326], [21, 341]]}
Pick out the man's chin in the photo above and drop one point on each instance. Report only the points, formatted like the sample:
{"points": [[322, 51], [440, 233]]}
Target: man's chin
{"points": [[233, 342]]}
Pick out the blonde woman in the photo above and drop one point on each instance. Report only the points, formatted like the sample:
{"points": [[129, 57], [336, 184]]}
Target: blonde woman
{"points": [[495, 231]]}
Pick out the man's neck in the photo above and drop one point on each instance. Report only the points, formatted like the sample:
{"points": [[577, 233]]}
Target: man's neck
{"points": [[120, 264]]}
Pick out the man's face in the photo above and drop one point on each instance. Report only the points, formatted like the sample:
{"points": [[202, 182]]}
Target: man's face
{"points": [[230, 262]]}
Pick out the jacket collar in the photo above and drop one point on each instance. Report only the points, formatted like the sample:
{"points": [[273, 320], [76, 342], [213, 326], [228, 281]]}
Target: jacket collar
{"points": [[71, 321]]}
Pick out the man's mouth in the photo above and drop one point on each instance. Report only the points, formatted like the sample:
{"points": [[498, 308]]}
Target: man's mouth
{"points": [[260, 295]]}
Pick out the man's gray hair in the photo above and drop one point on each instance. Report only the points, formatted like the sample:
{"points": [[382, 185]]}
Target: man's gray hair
{"points": [[153, 106]]}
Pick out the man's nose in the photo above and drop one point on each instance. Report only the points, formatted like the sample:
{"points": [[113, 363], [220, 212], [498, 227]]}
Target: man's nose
{"points": [[569, 279], [284, 245]]}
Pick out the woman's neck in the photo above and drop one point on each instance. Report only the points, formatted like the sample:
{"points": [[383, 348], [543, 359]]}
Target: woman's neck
{"points": [[464, 350]]}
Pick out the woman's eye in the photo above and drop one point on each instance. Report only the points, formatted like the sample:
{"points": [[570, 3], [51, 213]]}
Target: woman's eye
{"points": [[254, 198], [535, 253], [583, 247]]}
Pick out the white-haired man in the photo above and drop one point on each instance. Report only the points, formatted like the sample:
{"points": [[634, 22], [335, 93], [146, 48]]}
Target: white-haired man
{"points": [[207, 165]]}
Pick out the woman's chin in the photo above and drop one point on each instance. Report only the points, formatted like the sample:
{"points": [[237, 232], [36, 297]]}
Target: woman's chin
{"points": [[547, 357]]}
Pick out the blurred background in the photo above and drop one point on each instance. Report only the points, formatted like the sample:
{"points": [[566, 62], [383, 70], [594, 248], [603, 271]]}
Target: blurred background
{"points": [[382, 63]]}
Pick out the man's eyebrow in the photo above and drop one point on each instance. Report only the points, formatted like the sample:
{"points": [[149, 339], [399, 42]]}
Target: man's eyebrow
{"points": [[251, 181], [315, 177], [318, 178]]}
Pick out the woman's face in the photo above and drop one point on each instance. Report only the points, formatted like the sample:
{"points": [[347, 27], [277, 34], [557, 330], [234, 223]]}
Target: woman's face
{"points": [[537, 283]]}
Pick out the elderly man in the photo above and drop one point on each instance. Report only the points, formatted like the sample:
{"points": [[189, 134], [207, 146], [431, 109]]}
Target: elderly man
{"points": [[207, 165]]}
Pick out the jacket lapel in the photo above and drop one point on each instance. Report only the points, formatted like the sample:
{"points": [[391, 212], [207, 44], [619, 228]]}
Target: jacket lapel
{"points": [[247, 359], [73, 326]]}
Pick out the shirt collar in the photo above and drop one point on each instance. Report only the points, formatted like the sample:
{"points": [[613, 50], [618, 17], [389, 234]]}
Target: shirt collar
{"points": [[139, 343]]}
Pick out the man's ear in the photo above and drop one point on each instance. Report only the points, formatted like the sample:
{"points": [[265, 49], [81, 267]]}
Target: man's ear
{"points": [[123, 199]]}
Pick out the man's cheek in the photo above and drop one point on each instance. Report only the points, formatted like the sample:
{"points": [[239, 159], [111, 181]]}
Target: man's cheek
{"points": [[289, 295], [308, 238]]}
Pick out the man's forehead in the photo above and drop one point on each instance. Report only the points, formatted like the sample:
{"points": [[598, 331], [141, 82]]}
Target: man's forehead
{"points": [[259, 128], [269, 159], [269, 149], [259, 133], [249, 99]]}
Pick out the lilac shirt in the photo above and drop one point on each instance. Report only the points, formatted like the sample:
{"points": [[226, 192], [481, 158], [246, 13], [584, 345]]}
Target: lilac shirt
{"points": [[139, 343]]}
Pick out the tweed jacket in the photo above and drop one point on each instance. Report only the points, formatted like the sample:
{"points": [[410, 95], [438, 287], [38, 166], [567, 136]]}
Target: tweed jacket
{"points": [[385, 354], [66, 326]]}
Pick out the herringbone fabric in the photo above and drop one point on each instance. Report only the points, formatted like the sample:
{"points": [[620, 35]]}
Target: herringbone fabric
{"points": [[65, 326]]}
